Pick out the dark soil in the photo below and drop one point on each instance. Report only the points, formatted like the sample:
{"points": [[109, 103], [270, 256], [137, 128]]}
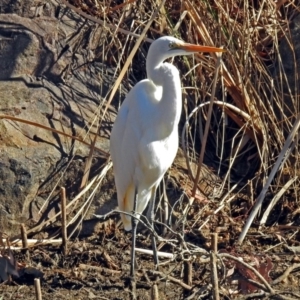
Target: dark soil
{"points": [[98, 267]]}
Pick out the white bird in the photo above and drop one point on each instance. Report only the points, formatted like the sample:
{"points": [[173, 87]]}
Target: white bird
{"points": [[144, 138]]}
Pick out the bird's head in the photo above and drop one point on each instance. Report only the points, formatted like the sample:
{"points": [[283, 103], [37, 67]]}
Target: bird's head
{"points": [[168, 46]]}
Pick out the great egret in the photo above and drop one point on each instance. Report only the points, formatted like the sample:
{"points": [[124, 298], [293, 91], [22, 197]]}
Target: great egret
{"points": [[144, 138]]}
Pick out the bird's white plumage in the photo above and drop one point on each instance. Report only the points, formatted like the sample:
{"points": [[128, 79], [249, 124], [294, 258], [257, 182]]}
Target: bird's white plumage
{"points": [[144, 138]]}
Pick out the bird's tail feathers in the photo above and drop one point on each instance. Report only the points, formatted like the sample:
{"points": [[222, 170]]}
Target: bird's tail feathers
{"points": [[126, 205]]}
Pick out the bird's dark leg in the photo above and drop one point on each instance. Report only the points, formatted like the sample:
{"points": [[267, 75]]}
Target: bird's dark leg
{"points": [[134, 222], [152, 216], [153, 241]]}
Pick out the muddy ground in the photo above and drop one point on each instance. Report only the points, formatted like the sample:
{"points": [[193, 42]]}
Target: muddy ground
{"points": [[97, 267]]}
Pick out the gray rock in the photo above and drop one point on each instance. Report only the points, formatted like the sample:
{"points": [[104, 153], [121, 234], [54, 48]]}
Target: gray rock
{"points": [[49, 78]]}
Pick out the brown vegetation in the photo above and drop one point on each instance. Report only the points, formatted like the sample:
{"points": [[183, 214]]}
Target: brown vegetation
{"points": [[255, 111]]}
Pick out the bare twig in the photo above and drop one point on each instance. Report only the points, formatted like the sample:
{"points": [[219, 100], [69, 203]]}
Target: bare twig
{"points": [[24, 236], [286, 273], [159, 253], [275, 200], [109, 261], [154, 291], [284, 154], [267, 288], [37, 286], [214, 275], [63, 219], [97, 179], [18, 244], [7, 117], [207, 125], [214, 242], [188, 272], [172, 279], [213, 266]]}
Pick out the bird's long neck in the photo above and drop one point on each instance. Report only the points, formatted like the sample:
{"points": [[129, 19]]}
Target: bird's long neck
{"points": [[169, 107]]}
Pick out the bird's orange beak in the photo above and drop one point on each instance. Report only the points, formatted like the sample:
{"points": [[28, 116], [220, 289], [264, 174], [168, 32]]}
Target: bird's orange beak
{"points": [[198, 48]]}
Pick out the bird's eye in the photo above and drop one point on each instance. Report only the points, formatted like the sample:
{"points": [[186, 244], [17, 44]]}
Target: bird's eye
{"points": [[172, 45]]}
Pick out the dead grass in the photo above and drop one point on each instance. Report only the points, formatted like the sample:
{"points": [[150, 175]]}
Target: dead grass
{"points": [[250, 120], [246, 141]]}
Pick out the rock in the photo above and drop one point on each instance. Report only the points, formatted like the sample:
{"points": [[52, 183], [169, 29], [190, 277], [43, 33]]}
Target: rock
{"points": [[43, 85], [24, 161]]}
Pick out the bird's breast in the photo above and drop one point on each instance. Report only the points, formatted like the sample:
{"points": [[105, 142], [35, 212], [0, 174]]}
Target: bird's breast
{"points": [[157, 156], [157, 93]]}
